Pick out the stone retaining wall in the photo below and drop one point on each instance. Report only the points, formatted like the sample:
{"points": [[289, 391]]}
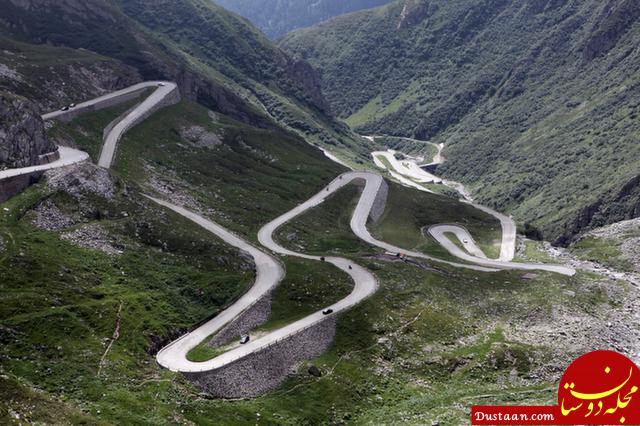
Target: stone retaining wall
{"points": [[171, 98], [264, 371], [49, 157], [106, 103], [251, 318], [15, 185], [118, 119], [379, 204]]}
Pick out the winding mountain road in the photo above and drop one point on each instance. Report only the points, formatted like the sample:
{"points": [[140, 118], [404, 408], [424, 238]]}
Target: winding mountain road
{"points": [[409, 173], [111, 141], [269, 271]]}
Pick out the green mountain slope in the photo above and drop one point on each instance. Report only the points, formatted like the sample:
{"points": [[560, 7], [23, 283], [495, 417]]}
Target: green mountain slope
{"points": [[537, 101], [216, 57], [278, 17]]}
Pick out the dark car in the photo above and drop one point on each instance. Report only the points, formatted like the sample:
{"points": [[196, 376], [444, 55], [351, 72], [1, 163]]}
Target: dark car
{"points": [[327, 311], [350, 267], [244, 339]]}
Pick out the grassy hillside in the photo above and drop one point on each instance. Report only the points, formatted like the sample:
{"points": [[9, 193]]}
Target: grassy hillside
{"points": [[537, 101], [241, 176], [54, 76], [217, 58], [428, 345]]}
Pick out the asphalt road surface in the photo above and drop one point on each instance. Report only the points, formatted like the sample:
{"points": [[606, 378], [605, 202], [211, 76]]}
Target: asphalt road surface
{"points": [[68, 156], [111, 141]]}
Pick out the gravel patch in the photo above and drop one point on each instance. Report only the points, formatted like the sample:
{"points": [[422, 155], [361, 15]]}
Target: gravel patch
{"points": [[173, 192], [618, 229], [257, 152], [199, 137], [81, 179], [93, 237], [49, 217], [9, 73], [264, 371], [627, 235], [631, 250], [568, 333]]}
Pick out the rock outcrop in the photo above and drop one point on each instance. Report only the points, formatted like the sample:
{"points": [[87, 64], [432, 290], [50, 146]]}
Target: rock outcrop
{"points": [[309, 78], [616, 19], [413, 12], [22, 137]]}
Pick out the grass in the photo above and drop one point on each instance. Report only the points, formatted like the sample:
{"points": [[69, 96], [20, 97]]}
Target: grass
{"points": [[252, 176], [170, 276], [534, 252], [308, 287], [365, 114], [325, 229], [204, 352], [409, 212]]}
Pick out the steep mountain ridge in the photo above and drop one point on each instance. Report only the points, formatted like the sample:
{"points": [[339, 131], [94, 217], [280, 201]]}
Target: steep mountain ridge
{"points": [[536, 101], [278, 17], [216, 57]]}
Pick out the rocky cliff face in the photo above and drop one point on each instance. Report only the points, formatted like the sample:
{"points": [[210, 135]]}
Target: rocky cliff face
{"points": [[22, 136], [414, 12], [309, 78], [615, 19]]}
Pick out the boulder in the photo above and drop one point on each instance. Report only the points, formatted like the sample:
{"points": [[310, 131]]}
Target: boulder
{"points": [[22, 136], [314, 371]]}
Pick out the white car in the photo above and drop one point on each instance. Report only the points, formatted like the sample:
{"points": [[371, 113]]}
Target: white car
{"points": [[161, 84], [244, 339], [465, 241]]}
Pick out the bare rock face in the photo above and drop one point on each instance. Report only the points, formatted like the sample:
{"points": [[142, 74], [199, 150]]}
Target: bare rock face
{"points": [[616, 19], [310, 79], [414, 12], [199, 137], [22, 136], [82, 179]]}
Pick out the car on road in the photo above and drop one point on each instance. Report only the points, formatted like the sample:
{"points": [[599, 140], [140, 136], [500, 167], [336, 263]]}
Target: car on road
{"points": [[64, 108], [72, 105], [161, 84], [465, 241], [327, 311], [350, 267], [244, 339]]}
